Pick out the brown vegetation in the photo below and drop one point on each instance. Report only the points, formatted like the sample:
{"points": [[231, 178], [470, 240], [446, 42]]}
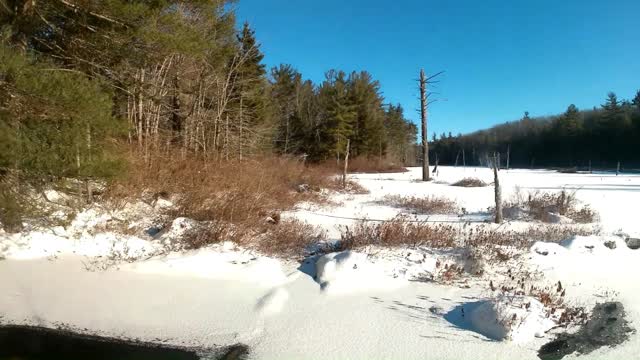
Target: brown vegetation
{"points": [[374, 165], [470, 182], [401, 231], [542, 206], [288, 238], [483, 236], [397, 232], [425, 205], [234, 200]]}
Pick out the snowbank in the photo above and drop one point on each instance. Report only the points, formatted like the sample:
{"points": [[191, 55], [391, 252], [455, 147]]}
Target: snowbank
{"points": [[516, 318]]}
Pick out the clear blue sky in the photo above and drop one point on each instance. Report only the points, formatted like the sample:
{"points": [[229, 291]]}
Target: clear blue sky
{"points": [[501, 57]]}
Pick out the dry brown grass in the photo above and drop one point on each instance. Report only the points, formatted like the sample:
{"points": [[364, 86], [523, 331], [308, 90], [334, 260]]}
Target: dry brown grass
{"points": [[353, 187], [374, 165], [524, 238], [541, 206], [288, 238], [401, 231], [234, 198], [397, 232], [470, 182], [422, 205]]}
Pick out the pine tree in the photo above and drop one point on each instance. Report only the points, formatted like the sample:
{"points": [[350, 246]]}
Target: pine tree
{"points": [[250, 99], [636, 100], [286, 95]]}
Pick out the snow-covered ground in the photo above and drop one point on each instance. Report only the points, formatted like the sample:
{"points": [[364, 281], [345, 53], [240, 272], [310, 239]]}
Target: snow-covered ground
{"points": [[358, 305]]}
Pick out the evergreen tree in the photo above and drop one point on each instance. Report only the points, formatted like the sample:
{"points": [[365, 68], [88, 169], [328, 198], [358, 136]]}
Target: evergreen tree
{"points": [[286, 93]]}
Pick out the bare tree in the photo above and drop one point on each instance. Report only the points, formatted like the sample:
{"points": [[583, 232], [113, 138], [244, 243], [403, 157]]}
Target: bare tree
{"points": [[435, 168], [424, 104], [423, 117], [346, 165], [498, 191]]}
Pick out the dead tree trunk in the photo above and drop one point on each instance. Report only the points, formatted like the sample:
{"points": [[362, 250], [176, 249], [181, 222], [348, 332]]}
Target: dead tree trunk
{"points": [[618, 169], [435, 168], [464, 160], [498, 192], [457, 157], [346, 165], [423, 116], [508, 155]]}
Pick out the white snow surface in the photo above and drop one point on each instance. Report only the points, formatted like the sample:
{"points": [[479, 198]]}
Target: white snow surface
{"points": [[357, 305]]}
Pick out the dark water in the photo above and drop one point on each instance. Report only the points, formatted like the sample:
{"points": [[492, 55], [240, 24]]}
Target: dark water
{"points": [[607, 327], [33, 343]]}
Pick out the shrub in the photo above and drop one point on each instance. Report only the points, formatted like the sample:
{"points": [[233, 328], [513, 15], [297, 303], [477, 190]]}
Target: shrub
{"points": [[289, 238], [353, 187], [374, 165], [483, 236], [233, 198], [231, 191], [540, 206], [397, 232], [426, 205], [470, 182]]}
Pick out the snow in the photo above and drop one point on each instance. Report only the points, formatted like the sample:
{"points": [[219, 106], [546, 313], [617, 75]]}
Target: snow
{"points": [[350, 271], [370, 303]]}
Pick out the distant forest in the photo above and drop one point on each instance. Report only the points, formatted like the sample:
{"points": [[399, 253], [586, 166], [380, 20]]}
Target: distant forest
{"points": [[600, 136]]}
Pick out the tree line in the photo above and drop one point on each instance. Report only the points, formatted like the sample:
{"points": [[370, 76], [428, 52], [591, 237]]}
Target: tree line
{"points": [[81, 81], [599, 138]]}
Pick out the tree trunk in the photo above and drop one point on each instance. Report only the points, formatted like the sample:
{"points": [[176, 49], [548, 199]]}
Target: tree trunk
{"points": [[618, 169], [457, 157], [346, 165], [464, 160], [498, 192], [590, 172], [508, 155], [423, 115]]}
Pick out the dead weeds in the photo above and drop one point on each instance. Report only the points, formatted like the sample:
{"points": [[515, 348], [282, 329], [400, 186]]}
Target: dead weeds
{"points": [[422, 205]]}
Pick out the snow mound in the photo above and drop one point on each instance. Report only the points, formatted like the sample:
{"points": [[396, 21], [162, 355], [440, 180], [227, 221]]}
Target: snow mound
{"points": [[516, 318], [349, 271], [593, 244]]}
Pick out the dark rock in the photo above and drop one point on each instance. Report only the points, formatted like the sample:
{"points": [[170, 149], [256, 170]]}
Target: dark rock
{"points": [[236, 352], [154, 230], [633, 243], [610, 244], [542, 252], [607, 327]]}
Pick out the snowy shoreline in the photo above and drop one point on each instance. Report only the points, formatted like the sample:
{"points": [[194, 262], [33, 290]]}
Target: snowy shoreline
{"points": [[358, 304]]}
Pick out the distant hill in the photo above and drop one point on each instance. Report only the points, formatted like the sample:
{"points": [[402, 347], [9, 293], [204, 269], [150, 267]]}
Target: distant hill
{"points": [[601, 136]]}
